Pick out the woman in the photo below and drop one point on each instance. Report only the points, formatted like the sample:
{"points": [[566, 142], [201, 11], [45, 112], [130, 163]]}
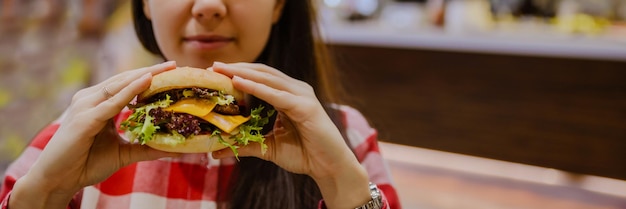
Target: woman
{"points": [[86, 163]]}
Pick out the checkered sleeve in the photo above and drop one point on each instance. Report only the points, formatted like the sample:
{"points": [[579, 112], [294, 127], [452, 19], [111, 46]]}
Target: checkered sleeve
{"points": [[363, 140], [5, 201], [22, 164]]}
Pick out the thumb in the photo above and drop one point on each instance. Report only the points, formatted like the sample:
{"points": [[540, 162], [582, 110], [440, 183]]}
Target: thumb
{"points": [[138, 152], [284, 127]]}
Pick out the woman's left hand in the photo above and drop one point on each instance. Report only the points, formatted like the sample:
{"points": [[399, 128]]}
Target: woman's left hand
{"points": [[304, 139]]}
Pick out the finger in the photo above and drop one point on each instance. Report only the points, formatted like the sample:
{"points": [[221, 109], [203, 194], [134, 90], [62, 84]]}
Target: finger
{"points": [[256, 66], [256, 74], [131, 75], [283, 125], [278, 98], [117, 102], [115, 84]]}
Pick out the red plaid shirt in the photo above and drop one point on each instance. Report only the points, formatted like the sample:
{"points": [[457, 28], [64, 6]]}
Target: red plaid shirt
{"points": [[192, 181]]}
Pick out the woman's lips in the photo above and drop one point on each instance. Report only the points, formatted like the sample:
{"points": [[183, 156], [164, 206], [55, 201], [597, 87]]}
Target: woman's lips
{"points": [[207, 42]]}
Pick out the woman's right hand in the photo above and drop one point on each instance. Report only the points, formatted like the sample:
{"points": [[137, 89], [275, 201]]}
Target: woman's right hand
{"points": [[87, 149]]}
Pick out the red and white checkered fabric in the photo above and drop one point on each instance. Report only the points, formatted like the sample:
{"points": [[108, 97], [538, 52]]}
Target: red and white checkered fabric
{"points": [[192, 181]]}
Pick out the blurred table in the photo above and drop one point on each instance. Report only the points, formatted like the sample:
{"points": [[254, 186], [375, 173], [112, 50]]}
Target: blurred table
{"points": [[536, 40]]}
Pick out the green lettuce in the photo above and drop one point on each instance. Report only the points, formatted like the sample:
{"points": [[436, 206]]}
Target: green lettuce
{"points": [[223, 99], [144, 131], [249, 131]]}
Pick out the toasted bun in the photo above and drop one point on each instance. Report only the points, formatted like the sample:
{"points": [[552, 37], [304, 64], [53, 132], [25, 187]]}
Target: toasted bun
{"points": [[194, 144], [185, 77]]}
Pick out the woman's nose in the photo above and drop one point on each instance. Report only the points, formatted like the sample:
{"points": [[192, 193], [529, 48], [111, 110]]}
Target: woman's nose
{"points": [[208, 10]]}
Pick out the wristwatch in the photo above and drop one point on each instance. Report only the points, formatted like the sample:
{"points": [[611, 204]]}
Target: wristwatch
{"points": [[377, 200]]}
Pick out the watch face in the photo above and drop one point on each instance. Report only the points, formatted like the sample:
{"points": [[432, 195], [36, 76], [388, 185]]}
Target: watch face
{"points": [[376, 202], [376, 197]]}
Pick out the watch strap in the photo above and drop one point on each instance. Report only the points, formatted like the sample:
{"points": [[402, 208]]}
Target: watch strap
{"points": [[376, 201]]}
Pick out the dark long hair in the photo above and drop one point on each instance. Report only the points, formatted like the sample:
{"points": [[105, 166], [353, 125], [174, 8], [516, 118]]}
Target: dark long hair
{"points": [[293, 47]]}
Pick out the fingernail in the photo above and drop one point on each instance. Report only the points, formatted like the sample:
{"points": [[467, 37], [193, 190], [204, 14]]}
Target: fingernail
{"points": [[218, 64], [237, 78], [171, 62], [216, 154]]}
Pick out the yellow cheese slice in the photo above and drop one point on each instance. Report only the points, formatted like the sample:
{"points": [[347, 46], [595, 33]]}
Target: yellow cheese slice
{"points": [[203, 108], [227, 123], [193, 107]]}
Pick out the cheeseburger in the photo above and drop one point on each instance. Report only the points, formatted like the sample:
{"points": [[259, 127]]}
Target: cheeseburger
{"points": [[191, 110]]}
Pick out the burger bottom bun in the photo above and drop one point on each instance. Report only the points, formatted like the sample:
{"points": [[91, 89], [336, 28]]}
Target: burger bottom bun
{"points": [[194, 144]]}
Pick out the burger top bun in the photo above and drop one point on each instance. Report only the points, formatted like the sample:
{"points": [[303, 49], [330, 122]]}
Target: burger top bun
{"points": [[193, 144], [186, 77]]}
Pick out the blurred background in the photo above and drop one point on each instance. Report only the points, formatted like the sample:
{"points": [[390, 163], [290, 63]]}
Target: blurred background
{"points": [[49, 49], [491, 103], [486, 103]]}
